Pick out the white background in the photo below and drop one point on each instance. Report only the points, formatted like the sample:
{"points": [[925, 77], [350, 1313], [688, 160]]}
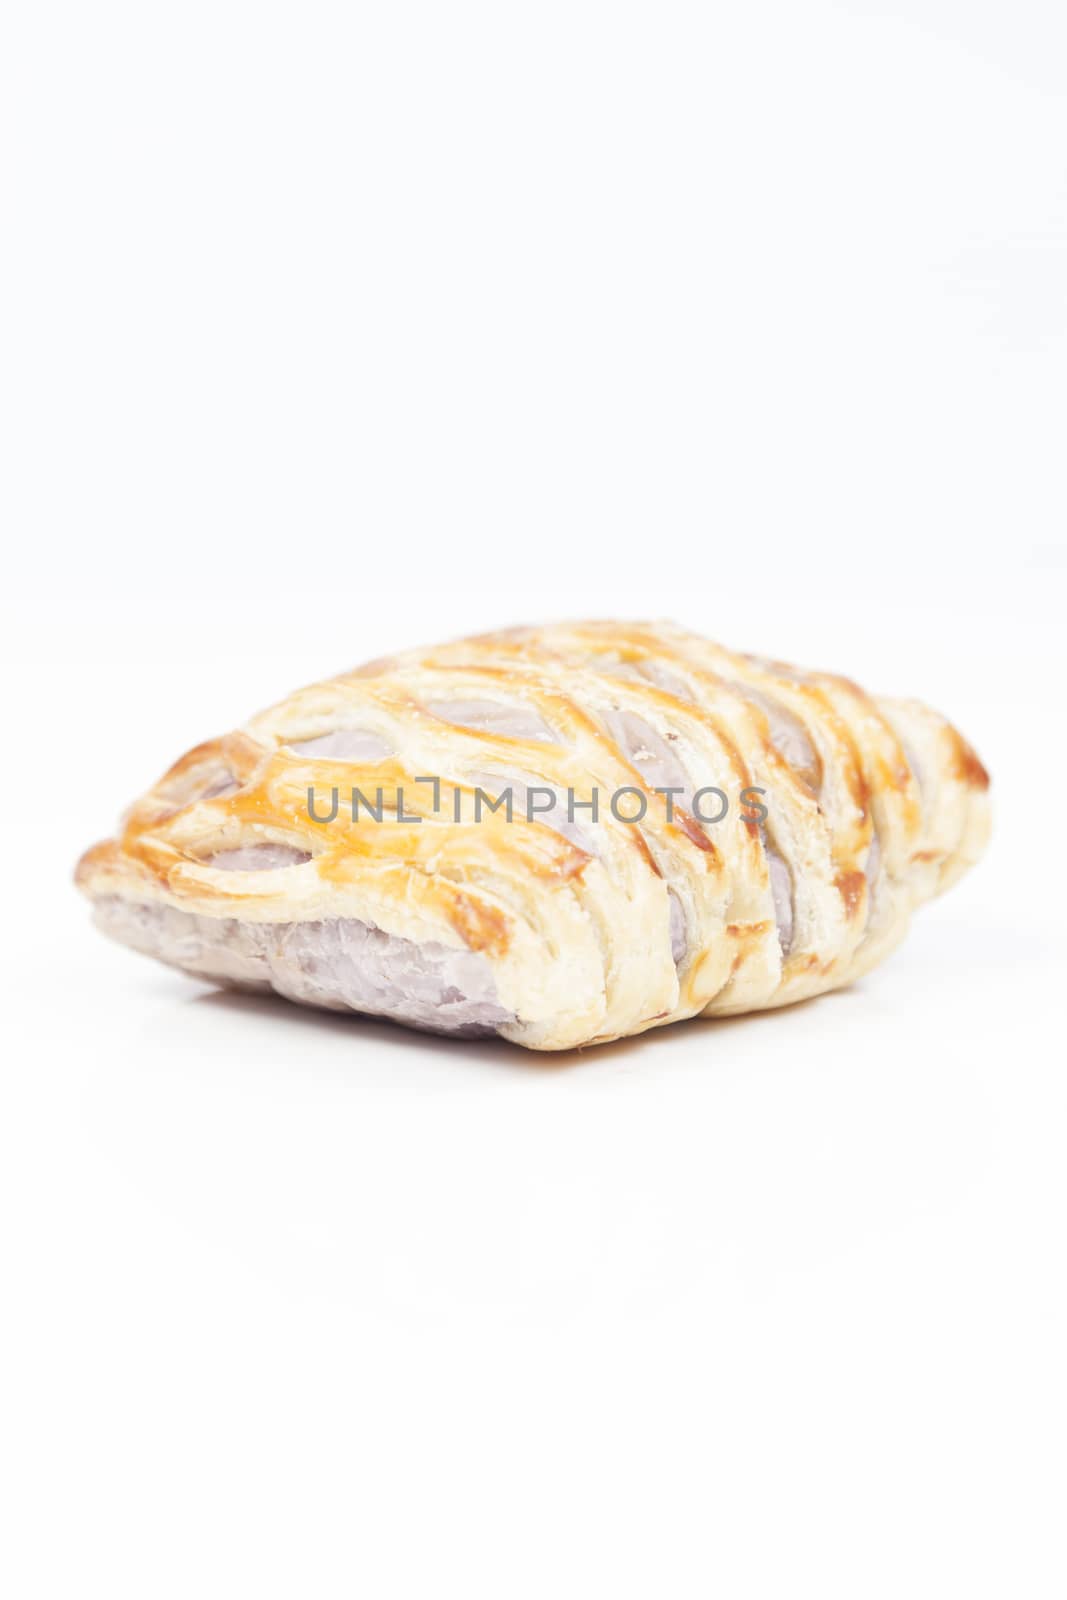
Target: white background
{"points": [[329, 329]]}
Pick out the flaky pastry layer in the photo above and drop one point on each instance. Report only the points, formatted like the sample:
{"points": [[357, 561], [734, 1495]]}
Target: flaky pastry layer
{"points": [[842, 813]]}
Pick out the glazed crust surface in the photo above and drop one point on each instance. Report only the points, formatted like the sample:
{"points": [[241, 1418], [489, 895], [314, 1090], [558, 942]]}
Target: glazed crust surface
{"points": [[842, 813]]}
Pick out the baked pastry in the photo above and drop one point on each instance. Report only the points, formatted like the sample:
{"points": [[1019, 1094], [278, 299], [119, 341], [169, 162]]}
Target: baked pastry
{"points": [[691, 832]]}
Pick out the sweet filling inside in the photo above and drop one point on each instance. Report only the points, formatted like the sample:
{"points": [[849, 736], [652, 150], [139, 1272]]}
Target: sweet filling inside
{"points": [[345, 744], [678, 929], [788, 735], [223, 785], [190, 788], [662, 677], [529, 802], [258, 858], [652, 755], [782, 891], [340, 964], [492, 716]]}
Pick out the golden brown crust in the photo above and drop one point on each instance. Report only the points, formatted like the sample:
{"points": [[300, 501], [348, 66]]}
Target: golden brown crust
{"points": [[872, 806]]}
